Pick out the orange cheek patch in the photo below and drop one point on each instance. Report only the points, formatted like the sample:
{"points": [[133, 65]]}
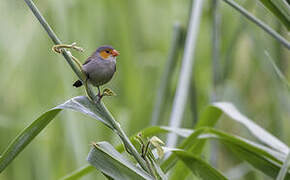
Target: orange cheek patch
{"points": [[104, 54]]}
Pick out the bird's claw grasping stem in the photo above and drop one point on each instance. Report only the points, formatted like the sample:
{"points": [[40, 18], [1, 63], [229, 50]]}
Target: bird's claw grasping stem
{"points": [[57, 48], [106, 92]]}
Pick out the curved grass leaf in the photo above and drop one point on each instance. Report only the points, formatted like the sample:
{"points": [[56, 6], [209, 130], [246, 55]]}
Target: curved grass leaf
{"points": [[109, 161], [209, 118], [194, 144], [260, 133], [267, 160], [198, 167], [81, 104], [25, 137], [284, 169], [147, 132], [280, 9], [212, 113]]}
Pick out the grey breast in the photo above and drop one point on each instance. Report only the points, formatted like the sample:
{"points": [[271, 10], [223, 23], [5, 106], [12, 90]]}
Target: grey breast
{"points": [[100, 71]]}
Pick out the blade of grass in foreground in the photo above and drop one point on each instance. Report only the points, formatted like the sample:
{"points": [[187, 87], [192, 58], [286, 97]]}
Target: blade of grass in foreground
{"points": [[81, 104], [107, 159], [260, 133], [208, 118], [283, 172], [265, 159], [199, 167], [25, 137], [147, 132]]}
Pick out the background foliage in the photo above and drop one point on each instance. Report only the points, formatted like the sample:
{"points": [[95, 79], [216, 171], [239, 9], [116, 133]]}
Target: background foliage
{"points": [[34, 79]]}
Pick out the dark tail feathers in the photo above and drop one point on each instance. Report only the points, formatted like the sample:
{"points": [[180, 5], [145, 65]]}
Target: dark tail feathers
{"points": [[78, 83]]}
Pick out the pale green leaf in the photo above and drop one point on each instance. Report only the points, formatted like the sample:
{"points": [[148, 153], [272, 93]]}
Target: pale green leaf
{"points": [[199, 167], [108, 160]]}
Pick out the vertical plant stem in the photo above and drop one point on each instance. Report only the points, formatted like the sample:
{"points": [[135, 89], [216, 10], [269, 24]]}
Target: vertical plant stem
{"points": [[259, 23], [215, 68], [186, 71], [52, 36], [193, 103], [55, 39], [91, 92], [166, 76], [215, 47]]}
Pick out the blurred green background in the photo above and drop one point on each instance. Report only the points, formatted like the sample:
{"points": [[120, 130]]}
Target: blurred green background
{"points": [[33, 79]]}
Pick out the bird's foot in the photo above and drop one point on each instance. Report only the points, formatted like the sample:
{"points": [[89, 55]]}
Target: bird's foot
{"points": [[106, 92], [100, 96], [58, 48]]}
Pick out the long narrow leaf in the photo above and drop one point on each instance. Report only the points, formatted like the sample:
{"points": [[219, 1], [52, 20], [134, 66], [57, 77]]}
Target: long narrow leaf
{"points": [[209, 118], [260, 133], [259, 23], [267, 160], [186, 71], [105, 158], [25, 137], [283, 172], [280, 9], [147, 132], [195, 142], [199, 167], [81, 104]]}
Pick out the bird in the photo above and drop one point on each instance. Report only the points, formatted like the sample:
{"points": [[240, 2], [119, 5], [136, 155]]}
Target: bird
{"points": [[100, 67]]}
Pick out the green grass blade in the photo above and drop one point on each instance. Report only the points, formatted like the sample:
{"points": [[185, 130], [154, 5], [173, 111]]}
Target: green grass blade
{"points": [[107, 159], [199, 167], [283, 172], [81, 104], [182, 90], [260, 133], [25, 137], [278, 71], [79, 172], [259, 23], [280, 9], [147, 132], [208, 118], [265, 159]]}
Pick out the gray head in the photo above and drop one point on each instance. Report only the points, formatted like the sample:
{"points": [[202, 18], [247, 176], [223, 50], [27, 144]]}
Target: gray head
{"points": [[106, 52]]}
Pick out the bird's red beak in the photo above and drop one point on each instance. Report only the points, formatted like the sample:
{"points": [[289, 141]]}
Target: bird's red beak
{"points": [[115, 53]]}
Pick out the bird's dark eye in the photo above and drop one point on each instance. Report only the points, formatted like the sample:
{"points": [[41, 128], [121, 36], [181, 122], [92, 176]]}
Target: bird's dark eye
{"points": [[107, 51]]}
